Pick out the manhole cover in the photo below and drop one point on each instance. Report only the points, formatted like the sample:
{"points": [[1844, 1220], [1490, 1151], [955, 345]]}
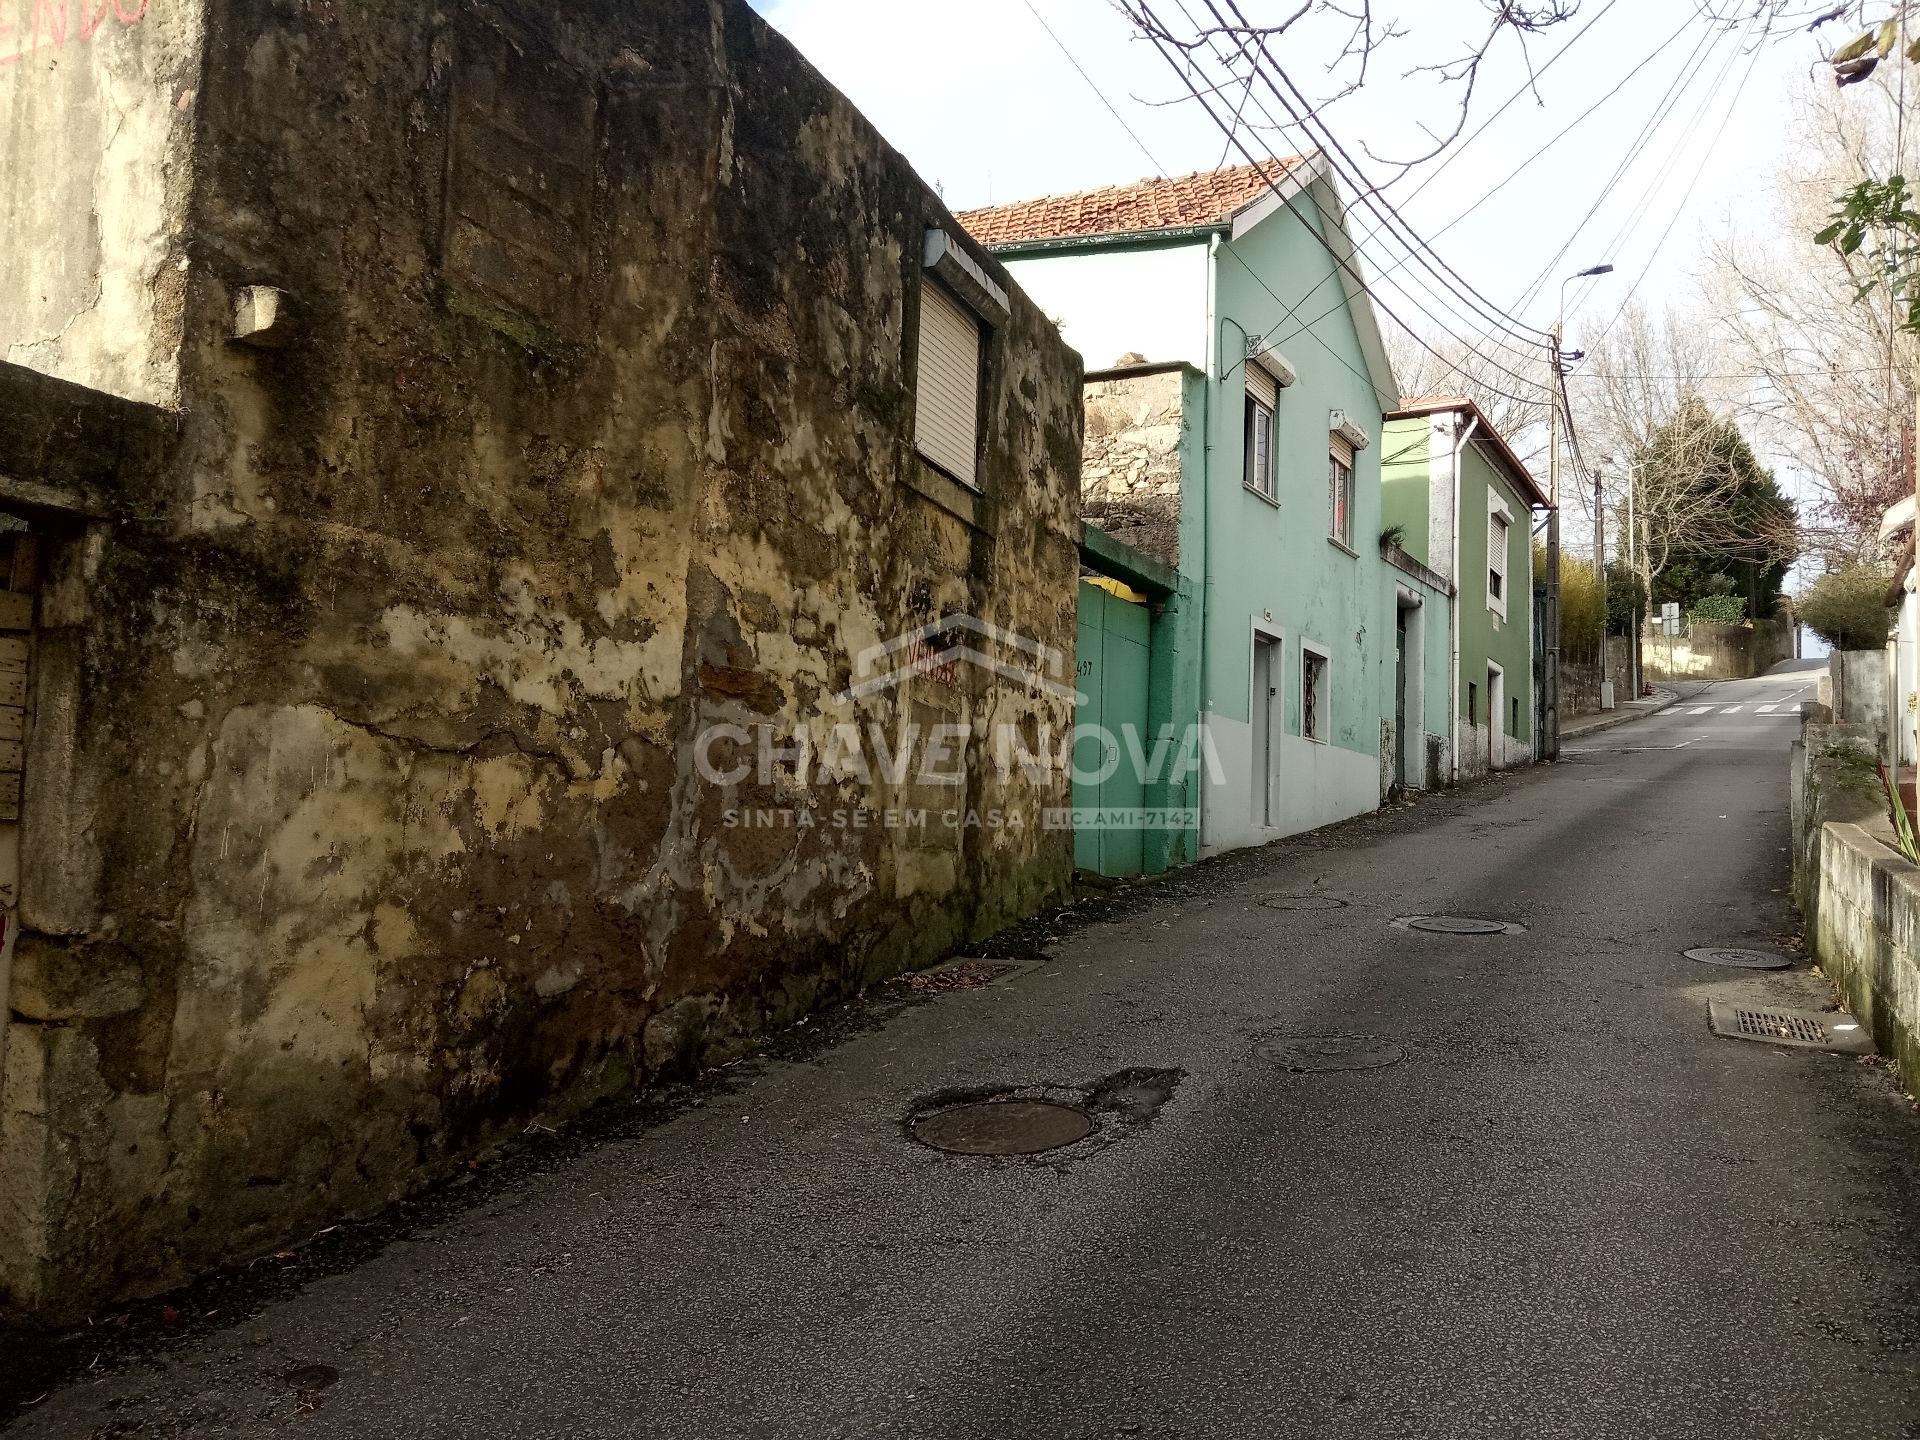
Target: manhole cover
{"points": [[1460, 925], [1319, 1054], [1303, 902], [1738, 959], [1804, 1029], [1003, 1127]]}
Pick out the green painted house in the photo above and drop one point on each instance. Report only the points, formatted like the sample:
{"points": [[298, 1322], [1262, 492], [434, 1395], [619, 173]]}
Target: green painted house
{"points": [[1236, 384], [1464, 504]]}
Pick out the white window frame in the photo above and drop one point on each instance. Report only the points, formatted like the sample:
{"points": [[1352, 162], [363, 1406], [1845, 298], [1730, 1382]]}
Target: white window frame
{"points": [[1322, 733], [1340, 488], [1500, 525], [1262, 403]]}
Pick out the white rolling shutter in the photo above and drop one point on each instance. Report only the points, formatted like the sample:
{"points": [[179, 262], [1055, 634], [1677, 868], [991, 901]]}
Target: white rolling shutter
{"points": [[1342, 449], [946, 427], [1261, 387]]}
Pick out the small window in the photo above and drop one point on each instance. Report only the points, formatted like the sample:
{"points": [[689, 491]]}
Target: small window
{"points": [[1313, 695], [1263, 400], [1473, 703], [1513, 729], [1340, 492], [1499, 529], [946, 427]]}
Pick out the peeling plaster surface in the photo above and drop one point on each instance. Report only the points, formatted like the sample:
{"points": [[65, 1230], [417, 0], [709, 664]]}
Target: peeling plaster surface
{"points": [[397, 683], [96, 109]]}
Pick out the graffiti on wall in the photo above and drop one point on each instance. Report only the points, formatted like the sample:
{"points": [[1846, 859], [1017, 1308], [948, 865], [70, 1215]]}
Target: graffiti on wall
{"points": [[28, 27]]}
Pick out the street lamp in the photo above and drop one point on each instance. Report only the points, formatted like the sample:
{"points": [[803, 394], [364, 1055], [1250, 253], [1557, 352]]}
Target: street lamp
{"points": [[1550, 740]]}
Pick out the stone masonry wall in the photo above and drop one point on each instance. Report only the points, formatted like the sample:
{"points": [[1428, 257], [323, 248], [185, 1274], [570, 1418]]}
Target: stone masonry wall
{"points": [[1130, 469], [592, 432]]}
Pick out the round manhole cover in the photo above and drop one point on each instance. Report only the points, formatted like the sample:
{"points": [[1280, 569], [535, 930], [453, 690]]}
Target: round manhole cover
{"points": [[1303, 902], [1738, 959], [1003, 1127], [1459, 925], [1320, 1054]]}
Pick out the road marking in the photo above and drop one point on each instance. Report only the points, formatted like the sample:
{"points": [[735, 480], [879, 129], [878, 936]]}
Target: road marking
{"points": [[1766, 709], [1703, 710], [1732, 710]]}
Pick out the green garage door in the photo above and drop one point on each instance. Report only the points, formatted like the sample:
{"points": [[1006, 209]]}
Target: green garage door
{"points": [[1112, 669]]}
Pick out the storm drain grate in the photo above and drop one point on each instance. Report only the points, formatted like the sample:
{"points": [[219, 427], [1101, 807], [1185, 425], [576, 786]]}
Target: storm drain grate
{"points": [[1738, 959], [1805, 1029], [1459, 925], [1003, 1127]]}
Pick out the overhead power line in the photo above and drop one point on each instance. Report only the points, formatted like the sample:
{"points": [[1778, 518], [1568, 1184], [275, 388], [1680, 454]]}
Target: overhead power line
{"points": [[1112, 110], [1369, 194], [1265, 169], [1307, 142]]}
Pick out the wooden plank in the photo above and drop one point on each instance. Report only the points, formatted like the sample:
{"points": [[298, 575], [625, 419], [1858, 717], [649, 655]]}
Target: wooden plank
{"points": [[9, 797], [13, 722], [26, 563], [14, 652], [13, 688], [13, 756], [16, 610]]}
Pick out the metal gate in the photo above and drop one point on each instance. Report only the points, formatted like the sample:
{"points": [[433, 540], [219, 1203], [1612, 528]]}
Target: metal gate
{"points": [[1110, 731]]}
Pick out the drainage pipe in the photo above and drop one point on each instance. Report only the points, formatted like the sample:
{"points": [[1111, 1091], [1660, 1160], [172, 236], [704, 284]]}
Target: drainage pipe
{"points": [[1461, 436]]}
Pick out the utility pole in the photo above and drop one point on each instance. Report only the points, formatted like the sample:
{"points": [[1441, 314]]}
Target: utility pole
{"points": [[1633, 569], [1556, 392], [1600, 569], [1550, 672]]}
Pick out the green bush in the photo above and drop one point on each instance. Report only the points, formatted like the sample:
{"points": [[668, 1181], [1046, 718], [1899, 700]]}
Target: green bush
{"points": [[1720, 609], [1848, 608]]}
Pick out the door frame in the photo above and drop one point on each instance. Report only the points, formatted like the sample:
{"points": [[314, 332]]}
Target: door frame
{"points": [[1496, 713], [1262, 629]]}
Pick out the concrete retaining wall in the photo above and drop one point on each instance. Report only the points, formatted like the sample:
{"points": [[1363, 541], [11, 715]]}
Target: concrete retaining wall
{"points": [[1716, 652], [1860, 898]]}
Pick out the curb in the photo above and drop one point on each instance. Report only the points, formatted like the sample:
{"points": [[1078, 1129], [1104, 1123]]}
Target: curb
{"points": [[1614, 721]]}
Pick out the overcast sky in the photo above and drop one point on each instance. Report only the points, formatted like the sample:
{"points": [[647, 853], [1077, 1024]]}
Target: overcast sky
{"points": [[989, 109]]}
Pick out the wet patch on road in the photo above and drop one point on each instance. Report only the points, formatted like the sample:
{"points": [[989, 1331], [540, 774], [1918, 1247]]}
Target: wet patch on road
{"points": [[1328, 1054]]}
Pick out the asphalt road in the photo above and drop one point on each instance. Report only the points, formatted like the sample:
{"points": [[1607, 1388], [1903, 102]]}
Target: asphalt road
{"points": [[1569, 1210]]}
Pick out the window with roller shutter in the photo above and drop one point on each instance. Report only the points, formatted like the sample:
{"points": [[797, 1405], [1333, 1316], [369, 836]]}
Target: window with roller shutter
{"points": [[946, 429], [1263, 401]]}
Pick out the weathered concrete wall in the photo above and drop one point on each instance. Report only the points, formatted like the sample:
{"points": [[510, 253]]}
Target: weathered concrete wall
{"points": [[1856, 688], [1580, 679], [1716, 652], [98, 100], [1867, 935], [594, 432], [1859, 897], [1136, 437]]}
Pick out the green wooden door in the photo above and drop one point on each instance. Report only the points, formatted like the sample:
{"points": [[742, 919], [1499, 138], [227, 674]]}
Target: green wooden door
{"points": [[1113, 641]]}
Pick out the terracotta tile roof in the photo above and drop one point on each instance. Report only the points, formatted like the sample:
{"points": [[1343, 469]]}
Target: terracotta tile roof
{"points": [[1207, 197]]}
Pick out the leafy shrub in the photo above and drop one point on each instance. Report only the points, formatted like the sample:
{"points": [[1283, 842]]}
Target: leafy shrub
{"points": [[1720, 609], [1848, 608]]}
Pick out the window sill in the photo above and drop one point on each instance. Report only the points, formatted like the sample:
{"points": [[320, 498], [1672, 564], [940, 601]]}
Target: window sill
{"points": [[1261, 495], [1337, 543]]}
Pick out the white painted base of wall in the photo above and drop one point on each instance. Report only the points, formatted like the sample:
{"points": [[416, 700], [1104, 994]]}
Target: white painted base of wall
{"points": [[1420, 775], [1313, 785], [1508, 752]]}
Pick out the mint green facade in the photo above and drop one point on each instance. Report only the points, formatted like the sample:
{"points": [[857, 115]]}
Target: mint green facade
{"points": [[1137, 665], [1286, 604], [1445, 483]]}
